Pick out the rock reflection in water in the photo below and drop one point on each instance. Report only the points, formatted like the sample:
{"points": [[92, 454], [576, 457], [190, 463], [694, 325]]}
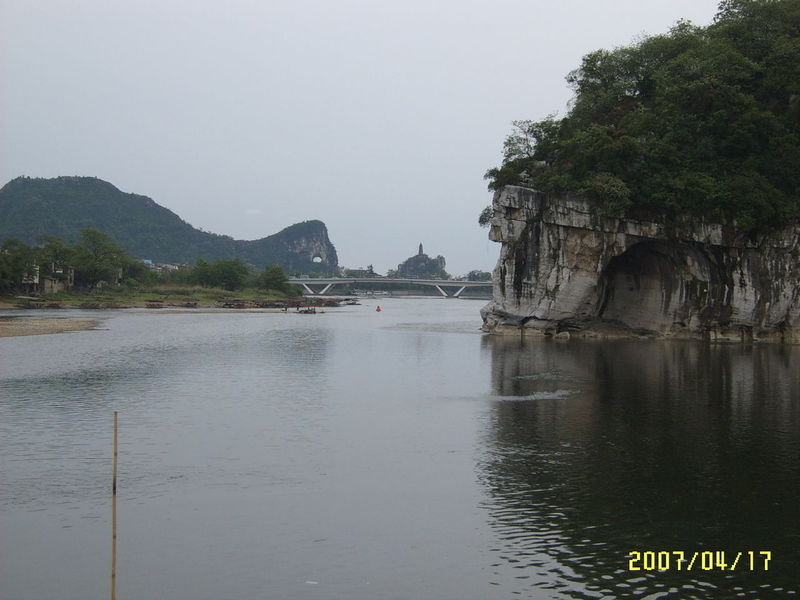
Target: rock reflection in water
{"points": [[657, 446]]}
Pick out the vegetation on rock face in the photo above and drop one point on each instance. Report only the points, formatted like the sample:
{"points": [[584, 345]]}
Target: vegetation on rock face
{"points": [[63, 206], [701, 120]]}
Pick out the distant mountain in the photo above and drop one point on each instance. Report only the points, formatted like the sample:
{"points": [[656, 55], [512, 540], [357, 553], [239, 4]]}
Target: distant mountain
{"points": [[63, 206]]}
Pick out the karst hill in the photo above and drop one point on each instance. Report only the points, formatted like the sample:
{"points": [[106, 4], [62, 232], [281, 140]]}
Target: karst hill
{"points": [[63, 206]]}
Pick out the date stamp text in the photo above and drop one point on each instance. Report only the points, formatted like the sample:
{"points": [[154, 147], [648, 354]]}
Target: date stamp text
{"points": [[706, 560]]}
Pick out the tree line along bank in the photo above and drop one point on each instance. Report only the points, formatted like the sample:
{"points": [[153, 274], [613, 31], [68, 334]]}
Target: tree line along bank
{"points": [[96, 262]]}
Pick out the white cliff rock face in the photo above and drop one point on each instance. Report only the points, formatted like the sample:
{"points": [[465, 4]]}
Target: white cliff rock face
{"points": [[565, 268]]}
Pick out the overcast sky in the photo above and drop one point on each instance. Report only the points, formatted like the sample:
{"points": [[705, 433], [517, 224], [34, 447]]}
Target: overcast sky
{"points": [[243, 117]]}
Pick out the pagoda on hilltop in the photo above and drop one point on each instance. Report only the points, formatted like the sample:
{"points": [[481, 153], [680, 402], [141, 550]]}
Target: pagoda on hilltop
{"points": [[421, 266]]}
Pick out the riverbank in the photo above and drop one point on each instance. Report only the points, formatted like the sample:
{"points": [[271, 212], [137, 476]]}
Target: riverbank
{"points": [[159, 297], [11, 327]]}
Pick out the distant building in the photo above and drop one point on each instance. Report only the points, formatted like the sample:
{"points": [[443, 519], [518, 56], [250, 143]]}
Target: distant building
{"points": [[55, 278], [30, 280], [161, 267], [59, 279], [360, 273]]}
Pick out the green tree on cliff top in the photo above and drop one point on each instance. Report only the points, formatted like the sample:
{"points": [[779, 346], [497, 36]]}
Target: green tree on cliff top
{"points": [[701, 120]]}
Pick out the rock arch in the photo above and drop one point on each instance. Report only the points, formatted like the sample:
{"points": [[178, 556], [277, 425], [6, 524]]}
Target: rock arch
{"points": [[639, 288]]}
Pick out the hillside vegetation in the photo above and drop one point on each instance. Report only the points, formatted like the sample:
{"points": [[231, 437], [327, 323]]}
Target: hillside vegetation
{"points": [[62, 207], [96, 263], [701, 120]]}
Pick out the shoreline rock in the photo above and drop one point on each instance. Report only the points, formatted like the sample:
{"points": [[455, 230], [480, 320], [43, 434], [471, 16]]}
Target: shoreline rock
{"points": [[564, 267]]}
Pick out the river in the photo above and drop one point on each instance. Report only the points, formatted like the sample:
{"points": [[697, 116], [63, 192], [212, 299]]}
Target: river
{"points": [[400, 454]]}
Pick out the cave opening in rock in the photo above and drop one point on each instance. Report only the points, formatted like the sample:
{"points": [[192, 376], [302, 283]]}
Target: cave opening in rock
{"points": [[638, 287], [317, 259]]}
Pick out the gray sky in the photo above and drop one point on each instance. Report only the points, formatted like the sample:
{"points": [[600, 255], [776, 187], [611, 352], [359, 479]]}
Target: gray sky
{"points": [[243, 117]]}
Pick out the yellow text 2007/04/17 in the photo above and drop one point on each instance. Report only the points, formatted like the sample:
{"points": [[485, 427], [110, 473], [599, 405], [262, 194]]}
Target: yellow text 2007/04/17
{"points": [[706, 560]]}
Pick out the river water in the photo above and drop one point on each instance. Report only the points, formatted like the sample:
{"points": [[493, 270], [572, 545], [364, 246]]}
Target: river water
{"points": [[400, 454]]}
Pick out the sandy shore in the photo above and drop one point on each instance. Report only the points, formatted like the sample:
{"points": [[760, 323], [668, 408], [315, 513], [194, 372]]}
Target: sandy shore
{"points": [[24, 326]]}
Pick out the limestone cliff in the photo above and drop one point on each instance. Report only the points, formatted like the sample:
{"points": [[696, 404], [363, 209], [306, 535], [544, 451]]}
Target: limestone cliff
{"points": [[303, 247], [565, 268]]}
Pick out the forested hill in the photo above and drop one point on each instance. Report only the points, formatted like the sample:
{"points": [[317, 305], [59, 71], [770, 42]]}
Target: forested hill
{"points": [[63, 206], [700, 120]]}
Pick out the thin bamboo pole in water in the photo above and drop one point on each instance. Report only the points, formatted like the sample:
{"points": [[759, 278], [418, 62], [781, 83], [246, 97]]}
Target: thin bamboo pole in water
{"points": [[114, 516]]}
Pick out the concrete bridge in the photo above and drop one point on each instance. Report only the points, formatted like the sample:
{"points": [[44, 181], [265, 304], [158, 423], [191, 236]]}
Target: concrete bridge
{"points": [[323, 285]]}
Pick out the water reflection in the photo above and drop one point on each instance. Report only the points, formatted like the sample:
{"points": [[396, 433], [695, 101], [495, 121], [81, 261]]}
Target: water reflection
{"points": [[642, 446], [263, 451], [56, 429]]}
